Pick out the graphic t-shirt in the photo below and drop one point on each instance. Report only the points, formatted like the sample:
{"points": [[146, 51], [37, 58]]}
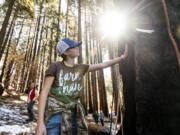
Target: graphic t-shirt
{"points": [[66, 87]]}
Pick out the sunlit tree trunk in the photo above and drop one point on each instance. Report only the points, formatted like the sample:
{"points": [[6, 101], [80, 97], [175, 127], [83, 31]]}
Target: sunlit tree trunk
{"points": [[36, 38], [22, 82], [20, 32], [42, 71], [94, 80], [40, 37], [90, 95], [94, 90], [34, 60], [7, 53], [6, 21], [17, 44], [79, 30], [101, 83], [7, 35], [58, 28], [114, 74], [86, 91], [66, 25], [90, 61], [51, 46], [27, 62], [8, 74]]}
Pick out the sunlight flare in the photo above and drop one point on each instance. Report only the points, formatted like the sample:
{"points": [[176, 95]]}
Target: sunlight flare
{"points": [[113, 23]]}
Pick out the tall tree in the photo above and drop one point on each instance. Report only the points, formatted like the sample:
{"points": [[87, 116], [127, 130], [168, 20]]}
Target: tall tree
{"points": [[101, 85], [8, 34], [6, 21], [67, 18], [127, 69], [7, 51], [79, 30]]}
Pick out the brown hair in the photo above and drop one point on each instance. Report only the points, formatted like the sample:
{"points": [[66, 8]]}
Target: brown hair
{"points": [[63, 56]]}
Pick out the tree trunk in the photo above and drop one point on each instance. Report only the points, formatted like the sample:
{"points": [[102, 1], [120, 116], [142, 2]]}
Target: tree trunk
{"points": [[6, 21], [115, 75], [101, 83], [40, 38], [58, 29], [51, 47], [79, 31], [8, 74], [36, 38], [94, 82], [90, 95], [7, 54], [7, 35], [18, 83], [66, 25], [25, 62], [127, 69]]}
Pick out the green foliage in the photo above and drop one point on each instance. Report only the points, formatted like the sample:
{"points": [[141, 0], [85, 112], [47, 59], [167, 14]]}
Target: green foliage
{"points": [[27, 5], [5, 4]]}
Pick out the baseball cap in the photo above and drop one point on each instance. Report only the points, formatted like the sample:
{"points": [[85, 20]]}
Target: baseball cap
{"points": [[65, 44]]}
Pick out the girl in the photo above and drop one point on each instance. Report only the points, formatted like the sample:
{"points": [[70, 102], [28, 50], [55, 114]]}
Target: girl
{"points": [[64, 114]]}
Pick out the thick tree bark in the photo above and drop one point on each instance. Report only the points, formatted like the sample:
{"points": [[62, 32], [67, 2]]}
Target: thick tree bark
{"points": [[174, 43], [127, 69]]}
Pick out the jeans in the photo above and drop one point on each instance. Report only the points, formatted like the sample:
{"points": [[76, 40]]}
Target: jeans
{"points": [[74, 123], [54, 124], [30, 110]]}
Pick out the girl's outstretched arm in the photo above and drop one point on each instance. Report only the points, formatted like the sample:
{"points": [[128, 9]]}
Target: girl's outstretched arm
{"points": [[109, 62]]}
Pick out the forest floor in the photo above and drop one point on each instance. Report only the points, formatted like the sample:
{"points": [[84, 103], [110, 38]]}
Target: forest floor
{"points": [[13, 116]]}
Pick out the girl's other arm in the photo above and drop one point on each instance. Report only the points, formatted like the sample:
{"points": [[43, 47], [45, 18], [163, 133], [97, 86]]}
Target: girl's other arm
{"points": [[41, 129]]}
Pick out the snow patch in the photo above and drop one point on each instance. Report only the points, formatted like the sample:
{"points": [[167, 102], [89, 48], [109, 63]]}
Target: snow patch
{"points": [[14, 129], [3, 109]]}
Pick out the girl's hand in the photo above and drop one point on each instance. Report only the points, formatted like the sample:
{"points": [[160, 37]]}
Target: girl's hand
{"points": [[41, 129]]}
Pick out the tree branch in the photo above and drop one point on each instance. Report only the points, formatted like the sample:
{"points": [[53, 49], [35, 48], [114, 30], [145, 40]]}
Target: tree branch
{"points": [[175, 46]]}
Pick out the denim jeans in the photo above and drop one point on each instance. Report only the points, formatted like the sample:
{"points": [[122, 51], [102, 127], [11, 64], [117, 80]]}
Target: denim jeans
{"points": [[74, 123], [30, 110], [54, 124]]}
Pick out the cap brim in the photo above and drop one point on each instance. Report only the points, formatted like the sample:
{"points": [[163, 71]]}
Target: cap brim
{"points": [[79, 43], [76, 44]]}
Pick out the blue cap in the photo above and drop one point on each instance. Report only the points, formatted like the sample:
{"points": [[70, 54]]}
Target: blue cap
{"points": [[65, 44]]}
